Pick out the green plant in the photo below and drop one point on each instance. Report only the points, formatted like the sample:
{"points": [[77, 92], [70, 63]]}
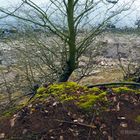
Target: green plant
{"points": [[96, 90], [87, 101], [137, 119], [66, 87], [11, 110], [120, 90], [41, 90]]}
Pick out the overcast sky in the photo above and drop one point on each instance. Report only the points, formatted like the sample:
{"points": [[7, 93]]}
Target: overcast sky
{"points": [[129, 20], [13, 2]]}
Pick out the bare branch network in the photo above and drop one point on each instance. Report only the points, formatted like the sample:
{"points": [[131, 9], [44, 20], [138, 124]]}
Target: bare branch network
{"points": [[74, 23]]}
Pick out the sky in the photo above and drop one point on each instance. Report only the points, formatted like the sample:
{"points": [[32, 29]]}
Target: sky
{"points": [[13, 2], [129, 20]]}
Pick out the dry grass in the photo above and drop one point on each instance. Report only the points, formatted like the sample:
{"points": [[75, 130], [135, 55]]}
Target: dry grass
{"points": [[105, 75]]}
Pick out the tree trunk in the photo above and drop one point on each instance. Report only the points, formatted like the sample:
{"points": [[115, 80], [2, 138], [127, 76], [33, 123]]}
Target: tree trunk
{"points": [[71, 62], [66, 74]]}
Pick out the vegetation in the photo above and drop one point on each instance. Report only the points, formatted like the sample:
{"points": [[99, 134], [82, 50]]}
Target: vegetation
{"points": [[72, 18], [138, 119], [83, 97], [71, 106], [69, 40]]}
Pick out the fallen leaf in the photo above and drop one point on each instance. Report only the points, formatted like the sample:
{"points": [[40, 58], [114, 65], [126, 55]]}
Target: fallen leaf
{"points": [[123, 124], [75, 120], [118, 107], [80, 120], [12, 122], [61, 138], [2, 135], [121, 118], [110, 138], [24, 131]]}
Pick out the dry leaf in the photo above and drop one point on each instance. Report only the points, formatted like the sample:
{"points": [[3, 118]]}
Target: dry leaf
{"points": [[2, 135], [24, 131], [118, 107], [121, 118], [75, 120], [12, 122], [110, 138], [123, 124], [61, 138], [80, 120]]}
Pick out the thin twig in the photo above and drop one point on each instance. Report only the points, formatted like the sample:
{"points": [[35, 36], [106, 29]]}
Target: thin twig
{"points": [[74, 123]]}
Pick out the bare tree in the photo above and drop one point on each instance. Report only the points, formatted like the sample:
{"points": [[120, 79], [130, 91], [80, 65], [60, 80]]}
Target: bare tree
{"points": [[64, 19]]}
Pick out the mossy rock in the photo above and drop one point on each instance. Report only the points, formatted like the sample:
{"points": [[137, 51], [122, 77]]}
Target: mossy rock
{"points": [[83, 97], [61, 90]]}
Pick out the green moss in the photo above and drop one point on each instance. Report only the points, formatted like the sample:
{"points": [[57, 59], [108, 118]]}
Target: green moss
{"points": [[83, 97], [66, 87], [138, 92], [121, 90], [66, 98], [86, 102], [41, 94], [96, 90], [10, 111], [56, 88], [65, 91], [137, 119], [70, 91], [41, 90]]}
